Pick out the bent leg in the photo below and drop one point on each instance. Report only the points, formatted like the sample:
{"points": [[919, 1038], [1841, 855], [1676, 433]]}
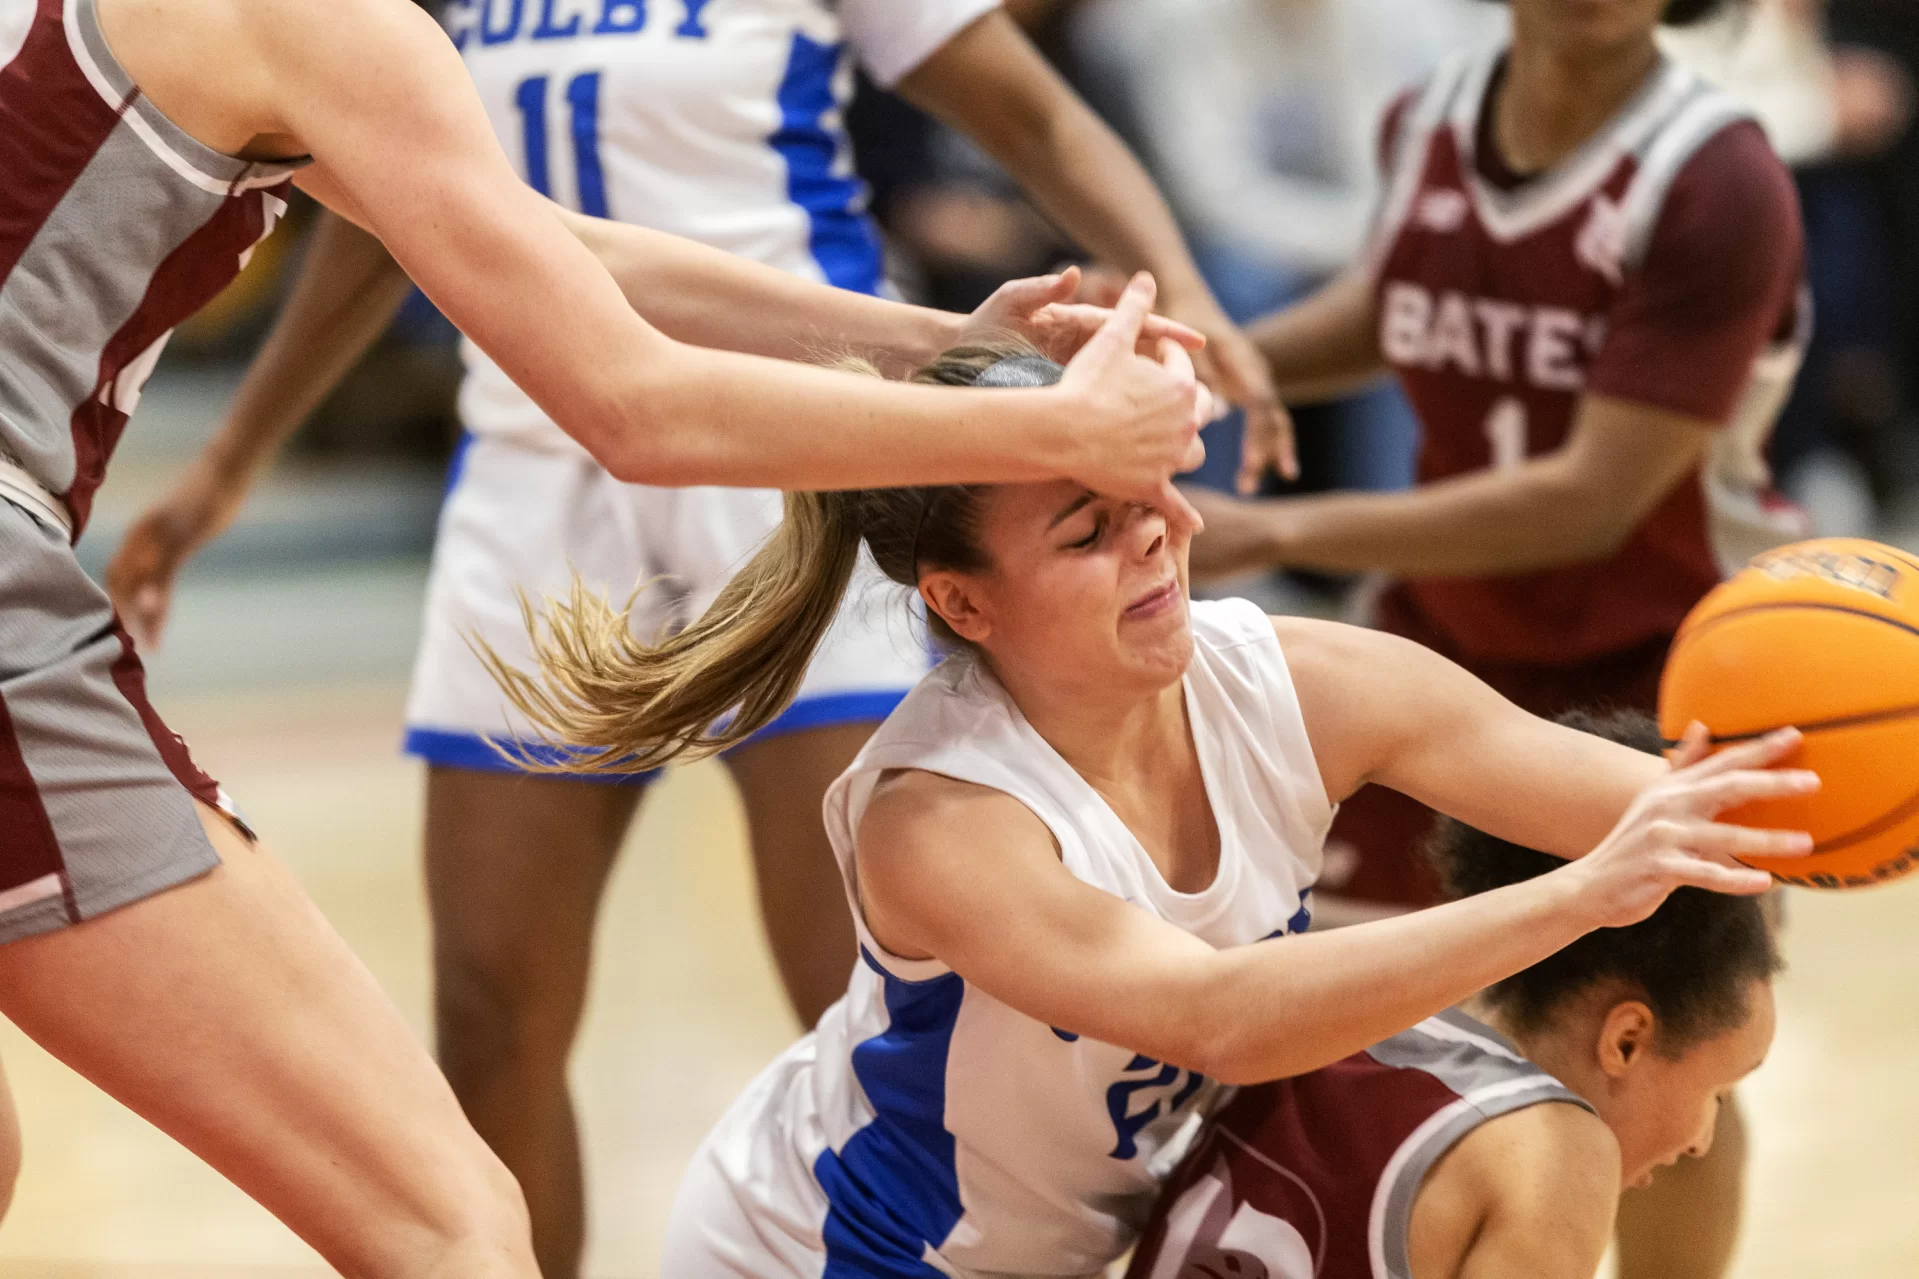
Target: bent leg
{"points": [[783, 781], [516, 867], [1686, 1224], [227, 1012]]}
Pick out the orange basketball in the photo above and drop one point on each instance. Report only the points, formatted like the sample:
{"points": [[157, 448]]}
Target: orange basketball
{"points": [[1824, 636]]}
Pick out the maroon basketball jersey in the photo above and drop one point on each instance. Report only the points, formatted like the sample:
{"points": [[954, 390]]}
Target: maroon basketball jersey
{"points": [[1501, 301], [1315, 1177], [115, 225]]}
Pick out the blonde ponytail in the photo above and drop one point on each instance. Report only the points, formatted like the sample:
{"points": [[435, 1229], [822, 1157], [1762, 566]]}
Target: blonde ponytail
{"points": [[605, 702], [612, 703]]}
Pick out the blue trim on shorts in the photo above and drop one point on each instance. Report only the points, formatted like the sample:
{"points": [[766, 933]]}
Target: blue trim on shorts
{"points": [[829, 710], [476, 753]]}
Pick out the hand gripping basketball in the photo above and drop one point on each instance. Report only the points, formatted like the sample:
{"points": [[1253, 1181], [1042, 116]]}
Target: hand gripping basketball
{"points": [[1669, 837]]}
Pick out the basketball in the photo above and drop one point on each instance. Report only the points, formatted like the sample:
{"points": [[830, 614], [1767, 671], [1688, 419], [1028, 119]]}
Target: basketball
{"points": [[1823, 636]]}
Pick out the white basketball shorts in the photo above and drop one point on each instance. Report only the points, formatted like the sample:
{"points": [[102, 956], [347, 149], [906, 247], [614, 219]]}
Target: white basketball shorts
{"points": [[522, 519]]}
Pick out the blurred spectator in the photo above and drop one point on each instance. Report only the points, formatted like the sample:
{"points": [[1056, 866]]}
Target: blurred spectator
{"points": [[1261, 118], [1834, 111]]}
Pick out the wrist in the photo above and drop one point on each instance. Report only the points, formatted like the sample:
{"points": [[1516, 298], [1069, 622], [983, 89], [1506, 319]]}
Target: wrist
{"points": [[932, 332], [1569, 898]]}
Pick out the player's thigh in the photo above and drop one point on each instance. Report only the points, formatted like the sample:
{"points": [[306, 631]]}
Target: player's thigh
{"points": [[516, 867], [230, 1014]]}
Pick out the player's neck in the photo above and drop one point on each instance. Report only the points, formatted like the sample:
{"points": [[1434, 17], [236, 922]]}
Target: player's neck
{"points": [[1551, 100], [1111, 741]]}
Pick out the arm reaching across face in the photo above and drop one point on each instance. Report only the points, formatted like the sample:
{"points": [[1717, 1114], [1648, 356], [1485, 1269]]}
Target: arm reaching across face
{"points": [[378, 96]]}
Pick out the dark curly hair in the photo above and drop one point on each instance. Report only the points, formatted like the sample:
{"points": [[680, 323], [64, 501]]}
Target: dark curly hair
{"points": [[1684, 13], [1692, 960]]}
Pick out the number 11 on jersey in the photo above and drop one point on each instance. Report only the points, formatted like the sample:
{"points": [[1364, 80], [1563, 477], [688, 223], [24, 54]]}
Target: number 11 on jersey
{"points": [[583, 109]]}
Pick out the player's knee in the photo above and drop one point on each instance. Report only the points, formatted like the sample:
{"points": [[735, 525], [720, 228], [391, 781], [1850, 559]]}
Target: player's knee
{"points": [[489, 1013]]}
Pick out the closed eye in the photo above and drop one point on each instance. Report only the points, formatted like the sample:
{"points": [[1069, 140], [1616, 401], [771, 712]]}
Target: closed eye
{"points": [[1087, 542]]}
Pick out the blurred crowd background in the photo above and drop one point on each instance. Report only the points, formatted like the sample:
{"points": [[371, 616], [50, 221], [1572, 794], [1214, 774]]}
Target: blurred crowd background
{"points": [[1258, 117]]}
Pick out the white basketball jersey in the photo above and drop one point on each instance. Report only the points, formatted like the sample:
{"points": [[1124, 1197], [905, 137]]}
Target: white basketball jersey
{"points": [[925, 1119], [717, 120]]}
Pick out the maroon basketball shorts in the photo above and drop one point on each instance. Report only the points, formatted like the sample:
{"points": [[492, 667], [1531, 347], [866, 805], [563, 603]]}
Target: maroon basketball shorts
{"points": [[96, 795], [1375, 853]]}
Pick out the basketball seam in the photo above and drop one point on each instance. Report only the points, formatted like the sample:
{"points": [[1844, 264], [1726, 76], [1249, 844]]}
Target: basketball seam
{"points": [[1686, 634], [1877, 826], [1815, 726]]}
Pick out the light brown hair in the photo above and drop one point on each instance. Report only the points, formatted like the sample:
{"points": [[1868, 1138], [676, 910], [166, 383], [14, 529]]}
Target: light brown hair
{"points": [[614, 703]]}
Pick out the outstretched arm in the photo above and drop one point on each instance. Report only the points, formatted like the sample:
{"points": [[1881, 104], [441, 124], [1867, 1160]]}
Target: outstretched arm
{"points": [[377, 94], [971, 877], [991, 84], [1578, 503]]}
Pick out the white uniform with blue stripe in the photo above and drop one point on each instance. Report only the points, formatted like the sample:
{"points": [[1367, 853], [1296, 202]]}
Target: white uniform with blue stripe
{"points": [[718, 120], [927, 1129]]}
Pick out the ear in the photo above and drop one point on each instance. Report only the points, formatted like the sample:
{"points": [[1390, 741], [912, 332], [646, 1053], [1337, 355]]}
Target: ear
{"points": [[950, 596], [1625, 1037]]}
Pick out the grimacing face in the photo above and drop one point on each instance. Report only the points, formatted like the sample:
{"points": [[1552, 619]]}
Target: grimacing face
{"points": [[1662, 1108], [1083, 591]]}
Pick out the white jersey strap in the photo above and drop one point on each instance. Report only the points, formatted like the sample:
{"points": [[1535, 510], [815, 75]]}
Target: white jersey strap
{"points": [[1406, 160], [17, 486]]}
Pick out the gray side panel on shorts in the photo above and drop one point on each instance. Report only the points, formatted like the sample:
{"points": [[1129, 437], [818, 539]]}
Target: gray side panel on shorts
{"points": [[1491, 1078], [125, 825]]}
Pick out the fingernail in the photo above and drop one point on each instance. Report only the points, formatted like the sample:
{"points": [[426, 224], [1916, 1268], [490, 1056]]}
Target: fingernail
{"points": [[1804, 781], [1802, 841]]}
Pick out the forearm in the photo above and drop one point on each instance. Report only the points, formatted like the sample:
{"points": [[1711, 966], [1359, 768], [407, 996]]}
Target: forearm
{"points": [[713, 417], [710, 298], [1325, 346], [345, 297], [1284, 1007], [1083, 177], [1494, 522]]}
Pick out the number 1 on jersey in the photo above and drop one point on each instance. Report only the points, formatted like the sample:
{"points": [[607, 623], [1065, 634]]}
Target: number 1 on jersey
{"points": [[583, 101]]}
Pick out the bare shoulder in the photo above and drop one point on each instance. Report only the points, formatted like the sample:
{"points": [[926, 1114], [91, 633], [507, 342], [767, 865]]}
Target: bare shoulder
{"points": [[1530, 1192], [913, 812], [262, 48]]}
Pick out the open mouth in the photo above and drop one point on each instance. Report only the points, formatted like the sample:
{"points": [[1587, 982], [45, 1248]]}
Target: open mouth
{"points": [[1160, 599]]}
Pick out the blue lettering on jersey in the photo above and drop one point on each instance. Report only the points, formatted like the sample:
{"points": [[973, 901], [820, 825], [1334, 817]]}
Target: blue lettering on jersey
{"points": [[1127, 1122], [501, 32], [620, 17], [691, 28], [548, 29]]}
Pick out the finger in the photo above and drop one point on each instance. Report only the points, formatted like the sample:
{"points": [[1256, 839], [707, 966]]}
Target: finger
{"points": [[1288, 446], [1065, 284], [1256, 454], [1757, 753], [1724, 842], [1178, 511], [1717, 792], [142, 618], [1737, 881], [1694, 745], [1083, 320], [1176, 360]]}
